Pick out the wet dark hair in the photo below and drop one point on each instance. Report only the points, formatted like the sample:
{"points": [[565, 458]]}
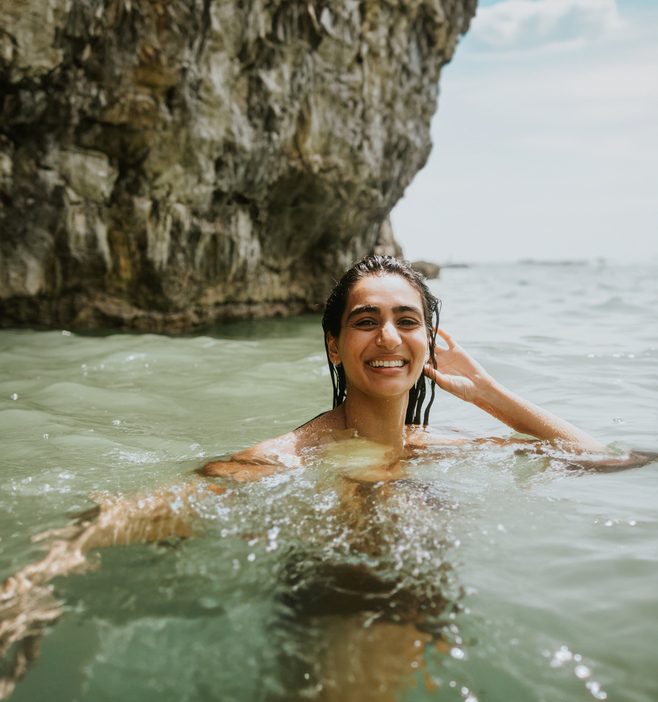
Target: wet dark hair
{"points": [[333, 315]]}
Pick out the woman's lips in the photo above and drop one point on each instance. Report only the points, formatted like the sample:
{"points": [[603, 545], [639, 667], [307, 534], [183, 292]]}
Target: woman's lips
{"points": [[380, 363]]}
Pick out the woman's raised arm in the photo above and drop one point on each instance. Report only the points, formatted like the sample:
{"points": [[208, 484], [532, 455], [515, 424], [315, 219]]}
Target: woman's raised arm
{"points": [[457, 373]]}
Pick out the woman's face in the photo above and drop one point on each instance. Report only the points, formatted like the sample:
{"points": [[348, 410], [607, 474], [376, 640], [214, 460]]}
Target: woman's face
{"points": [[383, 343]]}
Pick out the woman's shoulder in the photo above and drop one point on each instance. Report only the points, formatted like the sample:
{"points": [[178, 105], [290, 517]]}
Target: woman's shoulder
{"points": [[272, 455], [326, 421], [256, 461]]}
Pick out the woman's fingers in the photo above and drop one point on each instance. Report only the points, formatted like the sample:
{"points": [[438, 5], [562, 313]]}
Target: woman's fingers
{"points": [[446, 337], [445, 382], [433, 374]]}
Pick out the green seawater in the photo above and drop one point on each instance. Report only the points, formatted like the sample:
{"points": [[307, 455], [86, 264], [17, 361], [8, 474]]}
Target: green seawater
{"points": [[541, 580]]}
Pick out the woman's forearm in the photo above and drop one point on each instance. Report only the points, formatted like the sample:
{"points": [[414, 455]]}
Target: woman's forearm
{"points": [[527, 418], [243, 472], [118, 521]]}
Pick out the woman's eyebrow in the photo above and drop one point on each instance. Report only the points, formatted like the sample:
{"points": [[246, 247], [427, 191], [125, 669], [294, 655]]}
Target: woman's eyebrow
{"points": [[371, 309], [364, 309], [407, 308]]}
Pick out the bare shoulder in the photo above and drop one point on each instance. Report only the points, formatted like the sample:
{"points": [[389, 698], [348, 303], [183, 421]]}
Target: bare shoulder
{"points": [[273, 455], [256, 461], [310, 434]]}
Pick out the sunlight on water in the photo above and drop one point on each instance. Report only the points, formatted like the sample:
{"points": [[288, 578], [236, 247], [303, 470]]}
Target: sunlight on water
{"points": [[482, 573]]}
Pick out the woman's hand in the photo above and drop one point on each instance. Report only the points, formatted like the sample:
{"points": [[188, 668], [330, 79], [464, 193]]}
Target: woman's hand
{"points": [[456, 372]]}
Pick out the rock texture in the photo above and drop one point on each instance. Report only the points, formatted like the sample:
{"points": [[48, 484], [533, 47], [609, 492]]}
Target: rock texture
{"points": [[169, 163]]}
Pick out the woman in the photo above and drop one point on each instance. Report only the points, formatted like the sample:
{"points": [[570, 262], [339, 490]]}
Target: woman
{"points": [[380, 326]]}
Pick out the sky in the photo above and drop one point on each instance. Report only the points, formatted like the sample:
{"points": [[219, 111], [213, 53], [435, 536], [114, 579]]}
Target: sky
{"points": [[545, 139]]}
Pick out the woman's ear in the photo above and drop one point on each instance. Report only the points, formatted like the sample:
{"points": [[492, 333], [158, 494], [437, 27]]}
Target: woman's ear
{"points": [[332, 345]]}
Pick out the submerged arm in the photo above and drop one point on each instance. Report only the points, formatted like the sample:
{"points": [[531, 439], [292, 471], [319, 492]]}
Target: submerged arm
{"points": [[457, 373], [27, 602], [240, 469], [113, 521]]}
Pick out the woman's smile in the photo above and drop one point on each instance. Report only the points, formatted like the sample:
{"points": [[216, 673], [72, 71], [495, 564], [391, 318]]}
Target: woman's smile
{"points": [[387, 364]]}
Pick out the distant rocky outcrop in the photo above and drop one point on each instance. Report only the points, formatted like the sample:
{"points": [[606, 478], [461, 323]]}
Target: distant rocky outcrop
{"points": [[428, 269], [169, 163]]}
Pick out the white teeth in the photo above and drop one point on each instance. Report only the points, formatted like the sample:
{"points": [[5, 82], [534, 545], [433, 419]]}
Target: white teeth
{"points": [[386, 364]]}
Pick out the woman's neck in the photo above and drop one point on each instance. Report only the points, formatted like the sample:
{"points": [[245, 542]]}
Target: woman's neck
{"points": [[378, 420]]}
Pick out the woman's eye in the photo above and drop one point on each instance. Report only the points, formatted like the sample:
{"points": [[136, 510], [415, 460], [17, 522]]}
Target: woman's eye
{"points": [[409, 322]]}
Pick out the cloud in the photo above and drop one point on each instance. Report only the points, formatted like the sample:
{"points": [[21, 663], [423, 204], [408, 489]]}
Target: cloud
{"points": [[543, 153], [519, 25]]}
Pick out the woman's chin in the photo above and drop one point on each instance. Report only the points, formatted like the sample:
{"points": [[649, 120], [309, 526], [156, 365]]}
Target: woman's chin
{"points": [[388, 387]]}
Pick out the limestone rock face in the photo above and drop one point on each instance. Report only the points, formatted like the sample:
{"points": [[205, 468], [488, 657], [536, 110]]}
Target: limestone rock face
{"points": [[169, 163]]}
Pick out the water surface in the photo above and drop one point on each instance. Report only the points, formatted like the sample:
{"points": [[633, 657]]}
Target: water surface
{"points": [[544, 580]]}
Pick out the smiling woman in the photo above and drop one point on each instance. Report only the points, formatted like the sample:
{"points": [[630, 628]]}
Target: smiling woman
{"points": [[381, 325]]}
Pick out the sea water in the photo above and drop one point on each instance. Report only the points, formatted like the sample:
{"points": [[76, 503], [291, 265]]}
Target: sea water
{"points": [[545, 576]]}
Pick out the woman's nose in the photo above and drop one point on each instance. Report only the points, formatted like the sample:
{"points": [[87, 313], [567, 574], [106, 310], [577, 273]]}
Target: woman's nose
{"points": [[388, 336]]}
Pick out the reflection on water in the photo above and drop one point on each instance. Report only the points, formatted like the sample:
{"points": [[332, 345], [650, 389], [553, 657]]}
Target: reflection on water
{"points": [[511, 577]]}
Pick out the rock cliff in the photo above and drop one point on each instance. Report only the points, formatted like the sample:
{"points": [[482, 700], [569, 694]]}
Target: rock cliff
{"points": [[169, 163]]}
